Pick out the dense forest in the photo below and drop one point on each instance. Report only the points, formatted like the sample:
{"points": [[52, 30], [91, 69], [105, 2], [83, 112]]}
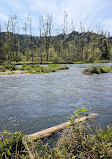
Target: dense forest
{"points": [[62, 47]]}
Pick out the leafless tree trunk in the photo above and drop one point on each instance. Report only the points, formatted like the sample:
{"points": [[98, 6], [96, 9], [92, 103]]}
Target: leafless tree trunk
{"points": [[25, 28], [29, 19], [13, 23], [47, 25]]}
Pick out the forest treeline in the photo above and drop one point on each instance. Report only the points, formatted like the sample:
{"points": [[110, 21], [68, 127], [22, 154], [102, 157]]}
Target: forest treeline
{"points": [[63, 47]]}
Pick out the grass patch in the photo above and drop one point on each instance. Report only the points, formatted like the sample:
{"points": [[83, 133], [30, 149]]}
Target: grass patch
{"points": [[41, 69], [83, 142], [11, 145], [9, 69], [97, 70], [102, 61], [81, 62]]}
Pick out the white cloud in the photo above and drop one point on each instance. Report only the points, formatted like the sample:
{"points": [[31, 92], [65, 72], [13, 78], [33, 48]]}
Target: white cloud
{"points": [[79, 10], [42, 5], [3, 16], [91, 12], [108, 22], [16, 5]]}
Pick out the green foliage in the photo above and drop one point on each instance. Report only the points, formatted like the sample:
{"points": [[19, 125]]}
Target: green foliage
{"points": [[10, 67], [74, 47], [2, 52], [58, 67], [79, 141], [42, 151], [2, 69], [41, 69], [91, 58], [11, 145], [84, 142], [78, 114], [97, 70], [29, 67]]}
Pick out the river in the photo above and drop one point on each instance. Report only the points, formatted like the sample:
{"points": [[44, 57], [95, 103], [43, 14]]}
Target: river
{"points": [[30, 103]]}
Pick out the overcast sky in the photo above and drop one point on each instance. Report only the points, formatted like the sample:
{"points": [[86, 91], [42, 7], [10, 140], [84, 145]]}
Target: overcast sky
{"points": [[91, 12]]}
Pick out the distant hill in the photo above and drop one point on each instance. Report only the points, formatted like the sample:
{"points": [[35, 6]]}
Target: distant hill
{"points": [[85, 46]]}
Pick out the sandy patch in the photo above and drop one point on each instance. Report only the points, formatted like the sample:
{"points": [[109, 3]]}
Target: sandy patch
{"points": [[7, 73]]}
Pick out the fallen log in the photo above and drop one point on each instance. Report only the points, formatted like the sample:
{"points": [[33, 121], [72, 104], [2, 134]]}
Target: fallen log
{"points": [[53, 130]]}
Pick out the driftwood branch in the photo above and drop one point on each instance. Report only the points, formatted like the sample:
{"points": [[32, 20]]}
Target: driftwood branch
{"points": [[27, 148], [51, 131]]}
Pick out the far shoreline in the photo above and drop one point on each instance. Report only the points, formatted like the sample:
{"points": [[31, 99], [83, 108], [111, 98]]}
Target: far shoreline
{"points": [[46, 63], [7, 70]]}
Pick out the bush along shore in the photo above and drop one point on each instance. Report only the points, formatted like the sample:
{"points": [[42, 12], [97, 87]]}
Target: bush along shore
{"points": [[80, 140], [46, 63], [97, 70], [10, 69]]}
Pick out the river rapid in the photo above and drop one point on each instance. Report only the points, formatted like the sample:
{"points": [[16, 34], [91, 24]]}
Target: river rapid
{"points": [[32, 102]]}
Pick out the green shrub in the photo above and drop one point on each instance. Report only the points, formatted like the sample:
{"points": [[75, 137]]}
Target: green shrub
{"points": [[23, 67], [57, 67], [2, 69], [40, 69], [84, 141], [97, 70], [10, 67]]}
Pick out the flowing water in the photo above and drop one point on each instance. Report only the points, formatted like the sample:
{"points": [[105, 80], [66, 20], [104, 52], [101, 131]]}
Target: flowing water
{"points": [[30, 103]]}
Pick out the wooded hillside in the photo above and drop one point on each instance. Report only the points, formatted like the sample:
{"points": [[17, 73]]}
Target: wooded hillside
{"points": [[85, 46]]}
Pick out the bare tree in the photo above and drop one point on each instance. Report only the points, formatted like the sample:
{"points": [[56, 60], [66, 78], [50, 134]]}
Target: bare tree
{"points": [[0, 43], [65, 30], [13, 23], [8, 39], [40, 38], [29, 19], [47, 25], [25, 29], [65, 26]]}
